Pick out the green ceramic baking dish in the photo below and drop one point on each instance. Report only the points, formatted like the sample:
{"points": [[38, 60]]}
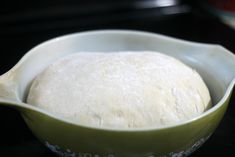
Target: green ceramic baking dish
{"points": [[215, 64]]}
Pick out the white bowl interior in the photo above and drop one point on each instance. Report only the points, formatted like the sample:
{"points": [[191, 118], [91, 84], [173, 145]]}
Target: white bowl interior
{"points": [[214, 63]]}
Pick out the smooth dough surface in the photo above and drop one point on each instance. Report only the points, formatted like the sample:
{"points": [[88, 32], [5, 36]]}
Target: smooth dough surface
{"points": [[120, 90]]}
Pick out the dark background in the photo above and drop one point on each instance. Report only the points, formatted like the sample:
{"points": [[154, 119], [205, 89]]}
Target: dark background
{"points": [[24, 24]]}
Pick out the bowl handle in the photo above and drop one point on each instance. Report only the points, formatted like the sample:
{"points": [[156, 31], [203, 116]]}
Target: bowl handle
{"points": [[8, 87]]}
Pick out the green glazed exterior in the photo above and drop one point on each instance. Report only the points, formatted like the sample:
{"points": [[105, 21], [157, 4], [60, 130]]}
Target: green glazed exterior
{"points": [[79, 141], [73, 140]]}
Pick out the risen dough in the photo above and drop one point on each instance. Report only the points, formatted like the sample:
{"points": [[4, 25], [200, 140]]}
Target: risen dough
{"points": [[120, 90]]}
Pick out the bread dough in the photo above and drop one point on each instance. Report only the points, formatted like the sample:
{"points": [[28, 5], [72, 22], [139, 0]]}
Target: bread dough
{"points": [[120, 90]]}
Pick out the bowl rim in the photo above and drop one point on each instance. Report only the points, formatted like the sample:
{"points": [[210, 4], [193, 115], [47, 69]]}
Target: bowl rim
{"points": [[111, 31]]}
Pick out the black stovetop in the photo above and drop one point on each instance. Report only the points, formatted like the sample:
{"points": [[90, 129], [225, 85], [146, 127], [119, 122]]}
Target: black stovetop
{"points": [[22, 26]]}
